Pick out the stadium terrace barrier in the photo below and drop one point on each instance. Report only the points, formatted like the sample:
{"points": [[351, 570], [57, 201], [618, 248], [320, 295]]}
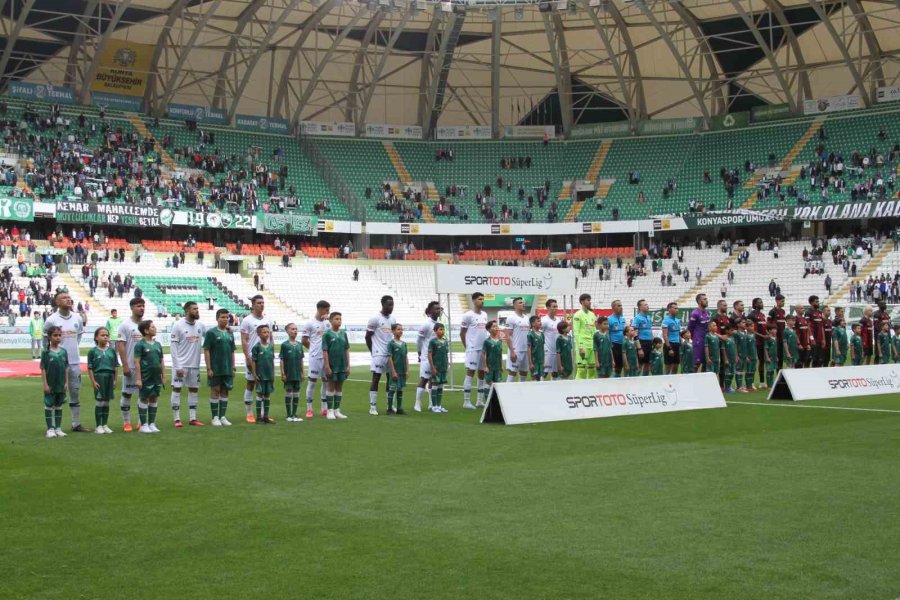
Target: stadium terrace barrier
{"points": [[836, 382], [546, 401]]}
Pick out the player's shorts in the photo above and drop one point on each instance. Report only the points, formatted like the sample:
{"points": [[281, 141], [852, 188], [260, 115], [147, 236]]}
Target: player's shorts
{"points": [[493, 376], [839, 359], [54, 399], [473, 360], [337, 377], [564, 373], [647, 347], [107, 390], [129, 384], [521, 363], [379, 364], [190, 379], [588, 360], [550, 362], [605, 371], [247, 374], [675, 357], [73, 377], [225, 381], [151, 391], [292, 385], [265, 388], [425, 368], [397, 384], [316, 367], [439, 378]]}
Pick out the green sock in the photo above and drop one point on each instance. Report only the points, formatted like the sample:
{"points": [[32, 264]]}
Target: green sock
{"points": [[223, 406], [288, 410], [770, 377], [329, 402], [214, 408], [48, 417], [265, 407], [106, 414], [98, 414], [739, 380], [142, 415], [57, 413], [390, 399], [295, 404], [151, 413], [436, 394], [337, 401], [258, 408], [399, 399]]}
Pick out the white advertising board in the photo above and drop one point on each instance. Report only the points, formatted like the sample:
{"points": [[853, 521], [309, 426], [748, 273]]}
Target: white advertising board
{"points": [[831, 104], [836, 382], [530, 131], [466, 279], [384, 130], [888, 94], [328, 128], [463, 132], [572, 400]]}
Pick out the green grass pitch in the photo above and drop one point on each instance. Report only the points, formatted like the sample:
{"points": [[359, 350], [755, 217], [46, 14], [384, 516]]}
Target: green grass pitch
{"points": [[744, 502]]}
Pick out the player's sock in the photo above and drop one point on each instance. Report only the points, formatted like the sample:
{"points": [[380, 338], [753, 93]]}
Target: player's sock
{"points": [[296, 404], [390, 399], [373, 398], [248, 402], [437, 395], [337, 400], [770, 378], [738, 380], [98, 414], [258, 408], [48, 417], [483, 391], [509, 378], [214, 407], [467, 389], [265, 404], [176, 405], [57, 415], [399, 399], [125, 406], [223, 406], [310, 392], [151, 411], [143, 408], [75, 409], [287, 405], [104, 412], [192, 405]]}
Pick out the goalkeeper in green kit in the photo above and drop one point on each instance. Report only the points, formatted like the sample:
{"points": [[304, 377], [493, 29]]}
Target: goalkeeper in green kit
{"points": [[583, 337]]}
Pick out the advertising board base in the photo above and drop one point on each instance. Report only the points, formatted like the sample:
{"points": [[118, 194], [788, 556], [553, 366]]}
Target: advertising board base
{"points": [[836, 382]]}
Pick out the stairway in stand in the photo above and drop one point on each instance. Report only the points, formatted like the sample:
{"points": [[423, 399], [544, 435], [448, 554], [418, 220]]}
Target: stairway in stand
{"points": [[406, 178], [591, 175]]}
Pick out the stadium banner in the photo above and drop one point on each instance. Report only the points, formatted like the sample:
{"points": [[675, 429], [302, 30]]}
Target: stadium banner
{"points": [[514, 229], [831, 104], [17, 209], [530, 131], [847, 211], [770, 112], [124, 68], [463, 132], [117, 101], [381, 130], [287, 223], [264, 124], [836, 382], [726, 219], [506, 300], [465, 279], [889, 93], [658, 126], [572, 400], [730, 121], [43, 92], [123, 215], [568, 312], [657, 314], [601, 130], [191, 112], [328, 128], [214, 220]]}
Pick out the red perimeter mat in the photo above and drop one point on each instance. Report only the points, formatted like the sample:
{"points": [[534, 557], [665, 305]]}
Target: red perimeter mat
{"points": [[23, 368]]}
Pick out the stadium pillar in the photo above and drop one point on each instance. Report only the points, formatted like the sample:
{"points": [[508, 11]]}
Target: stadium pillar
{"points": [[495, 73]]}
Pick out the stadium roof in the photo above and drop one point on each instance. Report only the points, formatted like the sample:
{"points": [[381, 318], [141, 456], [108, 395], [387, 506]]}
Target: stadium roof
{"points": [[487, 63]]}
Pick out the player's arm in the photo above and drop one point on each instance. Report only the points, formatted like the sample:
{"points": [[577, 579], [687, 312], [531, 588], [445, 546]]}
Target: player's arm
{"points": [[44, 374], [406, 360], [508, 335], [162, 365], [281, 356], [90, 371], [304, 339], [420, 341], [326, 357], [175, 342], [391, 365], [208, 359], [462, 335], [245, 345], [120, 347], [431, 359], [484, 356], [347, 354], [137, 369], [370, 331]]}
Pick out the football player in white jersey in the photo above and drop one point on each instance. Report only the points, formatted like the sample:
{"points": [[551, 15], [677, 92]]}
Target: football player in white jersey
{"points": [[249, 339], [517, 327], [72, 326], [186, 341], [128, 337], [549, 324], [311, 339], [378, 335], [426, 332], [472, 334]]}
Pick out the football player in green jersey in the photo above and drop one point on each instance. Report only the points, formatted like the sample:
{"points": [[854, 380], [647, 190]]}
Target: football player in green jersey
{"points": [[150, 373], [438, 358], [291, 358], [398, 365], [218, 350], [336, 353], [262, 366], [535, 348], [492, 354], [102, 364], [54, 367]]}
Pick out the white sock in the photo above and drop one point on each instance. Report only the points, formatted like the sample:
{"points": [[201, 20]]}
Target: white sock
{"points": [[373, 398], [467, 389], [483, 392], [125, 405], [510, 378], [192, 405], [176, 405], [249, 406], [75, 409], [248, 398], [419, 393], [310, 392]]}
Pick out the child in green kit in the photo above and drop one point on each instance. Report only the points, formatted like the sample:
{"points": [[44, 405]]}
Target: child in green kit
{"points": [[752, 363], [711, 348], [856, 347], [629, 352], [885, 349], [102, 364], [657, 366], [398, 363], [291, 358], [262, 366], [438, 358], [535, 348], [492, 354], [840, 344], [564, 350], [54, 367], [895, 342], [603, 349], [218, 351], [730, 346], [791, 352], [686, 357], [770, 354], [336, 354], [151, 371]]}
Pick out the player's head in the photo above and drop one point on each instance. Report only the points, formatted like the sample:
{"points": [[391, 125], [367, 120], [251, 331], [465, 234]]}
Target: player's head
{"points": [[814, 301], [191, 310], [757, 304], [62, 301], [433, 309], [263, 332], [702, 300], [790, 320], [686, 335], [826, 312], [113, 313], [147, 328], [222, 317], [551, 306], [856, 328], [54, 334], [741, 325], [885, 325], [713, 327], [738, 306], [101, 336], [478, 300], [602, 323], [772, 329], [35, 315], [629, 331], [779, 301], [322, 308], [642, 305], [562, 327], [672, 308], [727, 329], [535, 322], [616, 307], [137, 306], [257, 305], [798, 308], [722, 306], [335, 319], [518, 304], [387, 305], [657, 342], [291, 330], [585, 301], [439, 330], [492, 328], [397, 330]]}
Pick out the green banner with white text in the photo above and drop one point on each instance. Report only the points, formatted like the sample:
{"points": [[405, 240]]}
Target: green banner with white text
{"points": [[287, 223], [17, 209], [730, 121]]}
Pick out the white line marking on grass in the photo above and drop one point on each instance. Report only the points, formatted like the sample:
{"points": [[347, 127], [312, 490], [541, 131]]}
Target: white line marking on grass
{"points": [[793, 405]]}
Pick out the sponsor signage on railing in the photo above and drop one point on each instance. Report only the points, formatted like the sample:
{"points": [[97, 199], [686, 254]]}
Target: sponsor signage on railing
{"points": [[264, 124], [43, 92], [214, 220], [831, 104], [16, 209], [117, 101], [730, 121], [381, 130], [770, 112], [659, 126], [547, 401], [848, 211], [889, 93], [601, 130], [728, 219], [463, 132], [327, 128], [287, 223], [462, 279], [191, 112], [530, 131], [124, 215], [836, 382]]}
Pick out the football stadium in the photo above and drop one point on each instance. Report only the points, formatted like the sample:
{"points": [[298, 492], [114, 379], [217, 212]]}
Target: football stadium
{"points": [[404, 299]]}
